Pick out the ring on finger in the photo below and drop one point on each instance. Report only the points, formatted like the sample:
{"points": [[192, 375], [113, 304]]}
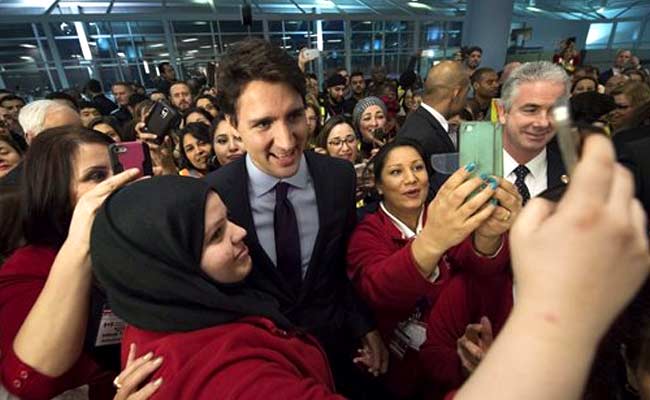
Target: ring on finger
{"points": [[507, 217], [117, 383]]}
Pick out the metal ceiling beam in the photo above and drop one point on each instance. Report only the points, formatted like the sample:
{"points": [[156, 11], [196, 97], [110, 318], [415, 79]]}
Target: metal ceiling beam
{"points": [[51, 7], [298, 7], [401, 7], [628, 8], [196, 16], [368, 6], [259, 9], [110, 7]]}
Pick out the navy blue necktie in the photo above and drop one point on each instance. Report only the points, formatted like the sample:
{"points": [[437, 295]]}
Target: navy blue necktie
{"points": [[520, 172], [287, 238]]}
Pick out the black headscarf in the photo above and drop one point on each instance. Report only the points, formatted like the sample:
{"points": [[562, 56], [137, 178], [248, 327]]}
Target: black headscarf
{"points": [[146, 247]]}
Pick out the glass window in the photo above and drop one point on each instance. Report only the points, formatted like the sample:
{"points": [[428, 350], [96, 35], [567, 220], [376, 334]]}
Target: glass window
{"points": [[30, 81], [298, 26], [362, 63], [454, 33], [598, 35], [191, 27], [333, 26], [16, 30], [393, 42], [646, 32], [275, 26], [333, 42], [147, 27], [361, 26], [627, 32], [361, 42], [432, 34], [237, 27]]}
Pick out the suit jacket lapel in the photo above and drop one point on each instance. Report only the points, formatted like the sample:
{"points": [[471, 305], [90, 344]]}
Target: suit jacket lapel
{"points": [[555, 165], [323, 200], [439, 130], [243, 215]]}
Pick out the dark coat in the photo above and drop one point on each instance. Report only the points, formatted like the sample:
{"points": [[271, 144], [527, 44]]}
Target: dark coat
{"points": [[327, 305]]}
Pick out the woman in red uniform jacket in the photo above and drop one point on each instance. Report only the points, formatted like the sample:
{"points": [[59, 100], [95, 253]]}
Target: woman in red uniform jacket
{"points": [[45, 287], [175, 277], [402, 256]]}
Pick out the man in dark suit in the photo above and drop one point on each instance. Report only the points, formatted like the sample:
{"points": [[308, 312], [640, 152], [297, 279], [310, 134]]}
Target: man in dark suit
{"points": [[298, 208], [95, 93], [634, 156], [623, 57], [444, 96], [531, 159]]}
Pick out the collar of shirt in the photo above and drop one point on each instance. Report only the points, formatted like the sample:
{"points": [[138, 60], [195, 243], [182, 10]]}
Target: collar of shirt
{"points": [[439, 117], [261, 182], [407, 233], [535, 166]]}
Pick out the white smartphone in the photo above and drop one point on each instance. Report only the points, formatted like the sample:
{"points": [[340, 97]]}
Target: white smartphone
{"points": [[312, 54]]}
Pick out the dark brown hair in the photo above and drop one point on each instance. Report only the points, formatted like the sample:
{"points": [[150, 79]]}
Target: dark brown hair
{"points": [[327, 129], [48, 176], [255, 59]]}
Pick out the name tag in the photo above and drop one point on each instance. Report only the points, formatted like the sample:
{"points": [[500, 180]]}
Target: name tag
{"points": [[110, 329]]}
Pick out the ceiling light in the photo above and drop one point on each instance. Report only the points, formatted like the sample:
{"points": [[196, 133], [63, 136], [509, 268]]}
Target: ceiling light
{"points": [[200, 23], [601, 10], [192, 51], [533, 8], [326, 3], [120, 54], [157, 45], [209, 46], [27, 58], [188, 40], [286, 37], [27, 46], [334, 41], [415, 4], [367, 22], [163, 54]]}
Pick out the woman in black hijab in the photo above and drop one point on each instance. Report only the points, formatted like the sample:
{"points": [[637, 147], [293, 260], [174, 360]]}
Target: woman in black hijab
{"points": [[175, 276]]}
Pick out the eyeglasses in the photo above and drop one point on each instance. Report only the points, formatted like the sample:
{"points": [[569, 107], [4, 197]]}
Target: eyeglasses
{"points": [[350, 139]]}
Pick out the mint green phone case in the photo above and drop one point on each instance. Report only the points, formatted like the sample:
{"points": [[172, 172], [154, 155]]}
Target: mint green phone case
{"points": [[481, 142]]}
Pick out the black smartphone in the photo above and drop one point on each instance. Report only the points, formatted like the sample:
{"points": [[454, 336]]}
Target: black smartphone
{"points": [[161, 120], [126, 155]]}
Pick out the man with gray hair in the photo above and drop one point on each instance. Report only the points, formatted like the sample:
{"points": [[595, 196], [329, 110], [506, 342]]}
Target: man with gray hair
{"points": [[531, 160], [40, 115], [36, 117]]}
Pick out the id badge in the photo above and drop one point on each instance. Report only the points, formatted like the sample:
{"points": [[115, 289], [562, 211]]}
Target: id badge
{"points": [[417, 334], [110, 329]]}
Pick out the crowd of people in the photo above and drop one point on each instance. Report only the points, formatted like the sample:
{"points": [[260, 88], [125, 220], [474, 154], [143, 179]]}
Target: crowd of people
{"points": [[295, 241]]}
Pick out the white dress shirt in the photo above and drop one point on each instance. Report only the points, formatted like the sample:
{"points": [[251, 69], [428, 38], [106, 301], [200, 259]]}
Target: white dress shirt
{"points": [[301, 193], [536, 180]]}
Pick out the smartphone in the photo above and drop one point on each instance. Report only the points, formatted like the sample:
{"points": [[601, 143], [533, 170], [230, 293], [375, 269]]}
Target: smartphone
{"points": [[161, 120], [312, 54], [126, 155], [481, 142], [379, 134]]}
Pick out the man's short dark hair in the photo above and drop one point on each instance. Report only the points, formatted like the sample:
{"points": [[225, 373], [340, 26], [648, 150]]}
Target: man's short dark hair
{"points": [[11, 97], [255, 59], [478, 74], [94, 86], [179, 83], [162, 65], [123, 83], [473, 49], [63, 96], [357, 73], [88, 104]]}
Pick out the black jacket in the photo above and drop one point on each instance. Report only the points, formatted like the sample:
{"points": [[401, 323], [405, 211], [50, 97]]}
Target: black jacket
{"points": [[327, 306], [422, 127]]}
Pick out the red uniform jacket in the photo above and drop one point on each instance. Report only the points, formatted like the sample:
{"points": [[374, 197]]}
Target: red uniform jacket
{"points": [[247, 359], [466, 299], [382, 268], [22, 278]]}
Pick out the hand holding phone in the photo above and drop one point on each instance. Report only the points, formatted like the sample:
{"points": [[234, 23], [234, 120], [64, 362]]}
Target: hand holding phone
{"points": [[161, 120], [128, 155]]}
